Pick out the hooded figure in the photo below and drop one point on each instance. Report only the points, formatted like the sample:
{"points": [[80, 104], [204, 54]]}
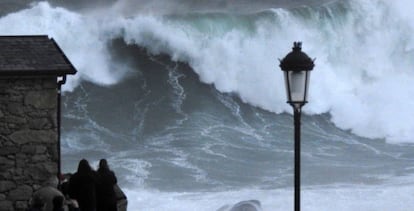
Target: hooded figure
{"points": [[106, 198], [82, 186]]}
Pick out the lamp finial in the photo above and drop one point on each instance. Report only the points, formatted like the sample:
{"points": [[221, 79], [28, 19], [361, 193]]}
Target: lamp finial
{"points": [[297, 45]]}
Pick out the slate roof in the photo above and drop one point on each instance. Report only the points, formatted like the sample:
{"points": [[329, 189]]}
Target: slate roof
{"points": [[32, 55]]}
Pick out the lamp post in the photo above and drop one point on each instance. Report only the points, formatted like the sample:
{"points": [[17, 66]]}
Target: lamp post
{"points": [[296, 67]]}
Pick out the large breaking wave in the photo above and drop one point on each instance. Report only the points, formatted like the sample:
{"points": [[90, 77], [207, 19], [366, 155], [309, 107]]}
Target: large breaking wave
{"points": [[364, 68]]}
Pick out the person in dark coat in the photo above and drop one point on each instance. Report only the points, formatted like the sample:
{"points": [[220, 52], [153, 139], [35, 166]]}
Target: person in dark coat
{"points": [[58, 203], [106, 198], [82, 186]]}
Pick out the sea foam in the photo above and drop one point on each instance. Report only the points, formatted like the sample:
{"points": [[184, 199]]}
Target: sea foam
{"points": [[364, 69]]}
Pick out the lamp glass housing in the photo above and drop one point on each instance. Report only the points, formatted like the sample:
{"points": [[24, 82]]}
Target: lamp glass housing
{"points": [[297, 83]]}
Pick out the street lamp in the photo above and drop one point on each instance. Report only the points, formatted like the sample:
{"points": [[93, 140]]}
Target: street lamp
{"points": [[296, 67]]}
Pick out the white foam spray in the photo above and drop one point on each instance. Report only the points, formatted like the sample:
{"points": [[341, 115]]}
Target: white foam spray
{"points": [[80, 36], [329, 198], [364, 69]]}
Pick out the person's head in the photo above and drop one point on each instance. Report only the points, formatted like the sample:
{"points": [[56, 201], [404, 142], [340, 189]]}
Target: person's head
{"points": [[103, 164], [58, 203], [84, 166]]}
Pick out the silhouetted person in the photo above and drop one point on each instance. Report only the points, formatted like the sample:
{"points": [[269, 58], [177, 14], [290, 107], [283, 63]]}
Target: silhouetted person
{"points": [[58, 203], [106, 198], [82, 186], [64, 186]]}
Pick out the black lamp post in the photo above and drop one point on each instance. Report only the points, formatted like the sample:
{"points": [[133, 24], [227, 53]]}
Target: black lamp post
{"points": [[296, 67]]}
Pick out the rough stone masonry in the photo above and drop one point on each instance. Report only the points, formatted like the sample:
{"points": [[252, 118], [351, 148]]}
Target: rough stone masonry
{"points": [[28, 147], [29, 127]]}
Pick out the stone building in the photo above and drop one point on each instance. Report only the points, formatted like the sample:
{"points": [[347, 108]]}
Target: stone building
{"points": [[32, 71]]}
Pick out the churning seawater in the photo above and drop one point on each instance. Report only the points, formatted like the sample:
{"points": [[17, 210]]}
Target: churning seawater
{"points": [[188, 106]]}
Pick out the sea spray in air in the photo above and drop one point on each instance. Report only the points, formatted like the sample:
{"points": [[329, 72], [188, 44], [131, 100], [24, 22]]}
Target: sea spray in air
{"points": [[363, 48], [81, 37]]}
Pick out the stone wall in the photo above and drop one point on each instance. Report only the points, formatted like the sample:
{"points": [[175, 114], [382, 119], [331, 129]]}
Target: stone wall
{"points": [[28, 138]]}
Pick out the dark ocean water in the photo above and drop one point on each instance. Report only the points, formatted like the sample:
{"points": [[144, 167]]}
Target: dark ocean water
{"points": [[187, 102]]}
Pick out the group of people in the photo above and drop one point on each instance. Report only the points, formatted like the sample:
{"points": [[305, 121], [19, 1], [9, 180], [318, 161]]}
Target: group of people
{"points": [[85, 190]]}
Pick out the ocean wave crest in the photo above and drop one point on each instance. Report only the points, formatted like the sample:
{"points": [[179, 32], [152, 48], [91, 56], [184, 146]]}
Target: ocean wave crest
{"points": [[364, 69]]}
